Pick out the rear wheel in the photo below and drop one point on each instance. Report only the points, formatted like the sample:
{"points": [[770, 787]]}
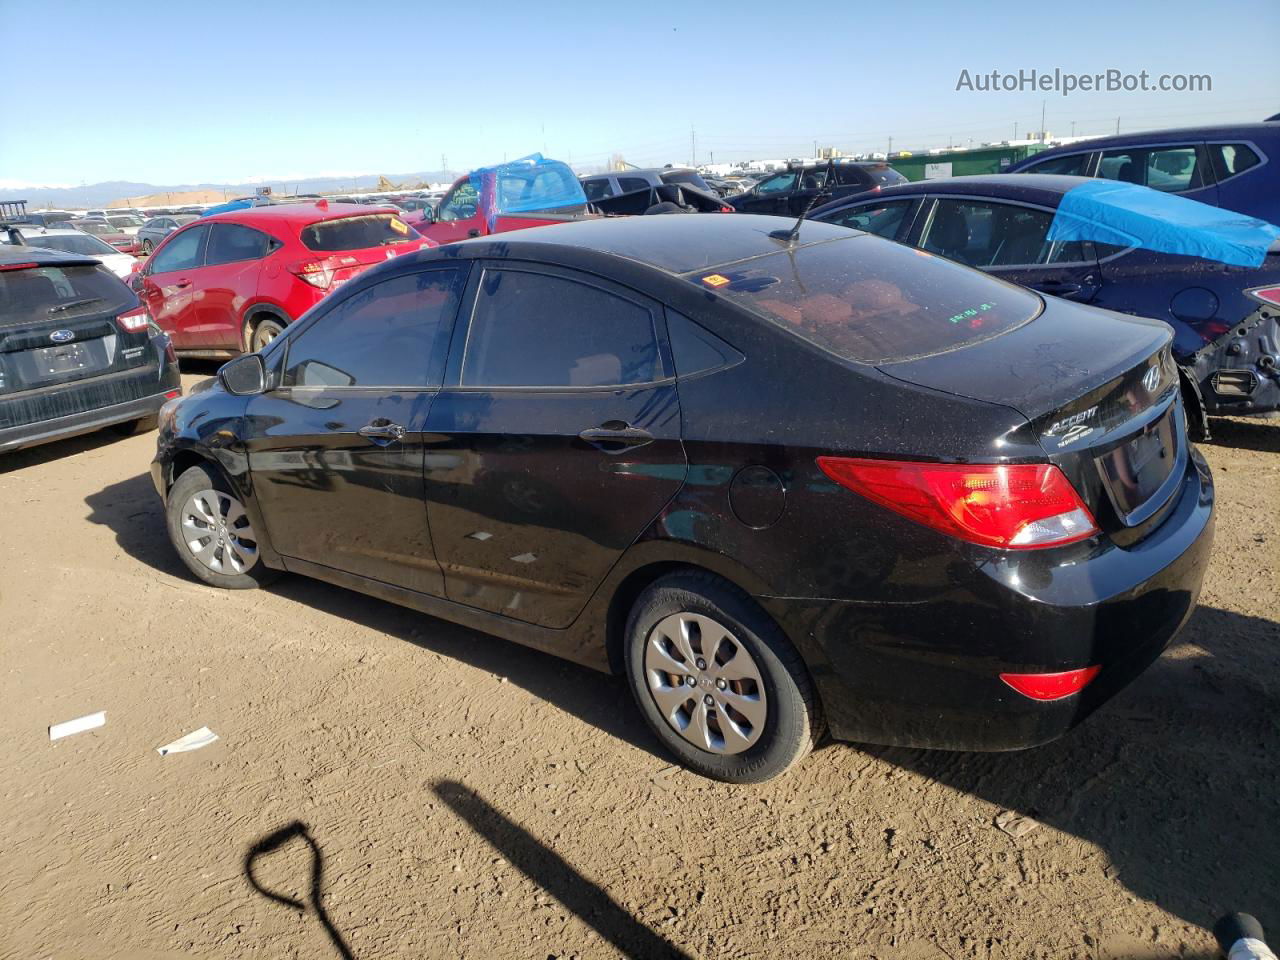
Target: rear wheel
{"points": [[264, 331], [717, 681], [212, 532]]}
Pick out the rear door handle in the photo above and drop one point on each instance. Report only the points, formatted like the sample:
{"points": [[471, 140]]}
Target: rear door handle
{"points": [[616, 439], [382, 430], [1058, 288]]}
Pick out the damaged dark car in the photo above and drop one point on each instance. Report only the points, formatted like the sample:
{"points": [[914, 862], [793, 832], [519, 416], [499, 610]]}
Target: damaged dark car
{"points": [[1213, 275]]}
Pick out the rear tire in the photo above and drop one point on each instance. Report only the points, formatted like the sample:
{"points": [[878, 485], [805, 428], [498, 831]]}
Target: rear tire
{"points": [[264, 331], [212, 533], [751, 712]]}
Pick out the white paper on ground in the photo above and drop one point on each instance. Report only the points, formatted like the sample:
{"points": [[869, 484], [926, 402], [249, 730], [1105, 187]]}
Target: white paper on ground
{"points": [[94, 720], [192, 741]]}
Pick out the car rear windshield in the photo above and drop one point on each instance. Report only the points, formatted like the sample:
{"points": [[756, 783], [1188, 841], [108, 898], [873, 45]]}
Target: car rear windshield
{"points": [[884, 175], [98, 229], [32, 294], [82, 244], [357, 233], [871, 300]]}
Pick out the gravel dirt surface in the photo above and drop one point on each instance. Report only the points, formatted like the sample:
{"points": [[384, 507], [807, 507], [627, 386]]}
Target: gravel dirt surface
{"points": [[397, 787]]}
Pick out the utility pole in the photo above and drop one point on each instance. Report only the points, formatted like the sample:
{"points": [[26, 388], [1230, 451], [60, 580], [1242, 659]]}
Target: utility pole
{"points": [[1117, 126], [1015, 130], [889, 153], [815, 149], [693, 147], [1043, 138], [1073, 128], [444, 164]]}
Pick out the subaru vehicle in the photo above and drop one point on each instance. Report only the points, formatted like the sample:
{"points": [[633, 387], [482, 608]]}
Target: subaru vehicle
{"points": [[69, 241], [1225, 318], [783, 479], [232, 282], [802, 186], [153, 232], [76, 352], [1224, 166]]}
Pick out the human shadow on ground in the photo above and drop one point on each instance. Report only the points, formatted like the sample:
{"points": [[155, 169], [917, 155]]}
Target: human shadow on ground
{"points": [[273, 842], [1245, 433], [555, 875]]}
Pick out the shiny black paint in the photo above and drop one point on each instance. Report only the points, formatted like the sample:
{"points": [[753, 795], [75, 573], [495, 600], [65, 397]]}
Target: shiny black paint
{"points": [[904, 629]]}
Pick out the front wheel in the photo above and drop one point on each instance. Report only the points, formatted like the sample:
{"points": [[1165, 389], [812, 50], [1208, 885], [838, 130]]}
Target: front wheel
{"points": [[717, 681], [212, 532]]}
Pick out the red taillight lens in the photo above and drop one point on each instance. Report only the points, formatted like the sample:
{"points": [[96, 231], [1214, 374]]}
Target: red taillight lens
{"points": [[1269, 295], [1050, 686], [726, 209], [135, 321], [173, 395], [18, 266], [1016, 506], [314, 272]]}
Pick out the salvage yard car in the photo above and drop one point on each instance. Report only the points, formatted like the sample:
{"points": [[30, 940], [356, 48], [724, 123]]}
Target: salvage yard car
{"points": [[69, 241], [1130, 249], [232, 282], [790, 192], [76, 352], [781, 479]]}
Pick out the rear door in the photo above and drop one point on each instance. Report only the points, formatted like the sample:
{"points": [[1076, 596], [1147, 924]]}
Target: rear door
{"points": [[556, 444], [229, 281], [336, 450], [1010, 240], [169, 285]]}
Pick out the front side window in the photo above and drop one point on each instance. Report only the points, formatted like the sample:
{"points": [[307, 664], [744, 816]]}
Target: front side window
{"points": [[461, 203], [392, 334], [1231, 159], [184, 251], [230, 242], [986, 235], [1072, 165], [534, 330], [778, 183], [882, 219]]}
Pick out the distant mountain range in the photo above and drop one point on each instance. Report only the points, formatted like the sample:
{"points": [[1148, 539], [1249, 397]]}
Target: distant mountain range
{"points": [[101, 194]]}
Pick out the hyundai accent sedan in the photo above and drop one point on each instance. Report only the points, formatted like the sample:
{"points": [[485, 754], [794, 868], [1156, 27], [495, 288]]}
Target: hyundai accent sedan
{"points": [[783, 481]]}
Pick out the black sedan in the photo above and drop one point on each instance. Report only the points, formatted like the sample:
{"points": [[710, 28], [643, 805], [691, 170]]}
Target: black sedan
{"points": [[780, 482], [1225, 319]]}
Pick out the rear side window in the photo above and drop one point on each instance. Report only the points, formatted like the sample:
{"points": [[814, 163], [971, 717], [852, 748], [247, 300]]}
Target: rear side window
{"points": [[632, 183], [1073, 165], [870, 301], [983, 234], [32, 294], [1230, 159], [230, 242], [882, 219], [597, 189], [883, 175], [535, 330], [357, 233], [392, 334]]}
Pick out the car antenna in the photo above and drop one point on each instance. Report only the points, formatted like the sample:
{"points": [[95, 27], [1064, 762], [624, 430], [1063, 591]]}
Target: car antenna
{"points": [[790, 236]]}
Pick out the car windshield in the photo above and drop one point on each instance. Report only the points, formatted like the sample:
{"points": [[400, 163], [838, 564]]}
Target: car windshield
{"points": [[884, 175], [72, 243], [98, 229], [124, 221], [36, 293], [690, 177], [357, 233], [871, 300]]}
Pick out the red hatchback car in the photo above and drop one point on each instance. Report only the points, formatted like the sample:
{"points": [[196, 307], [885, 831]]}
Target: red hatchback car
{"points": [[230, 283]]}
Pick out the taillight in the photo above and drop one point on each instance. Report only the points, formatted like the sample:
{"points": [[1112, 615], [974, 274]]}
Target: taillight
{"points": [[1269, 295], [135, 321], [314, 272], [18, 266], [1050, 686], [1017, 506], [726, 209]]}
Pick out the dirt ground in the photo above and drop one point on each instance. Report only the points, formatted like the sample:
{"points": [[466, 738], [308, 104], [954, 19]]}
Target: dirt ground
{"points": [[423, 791]]}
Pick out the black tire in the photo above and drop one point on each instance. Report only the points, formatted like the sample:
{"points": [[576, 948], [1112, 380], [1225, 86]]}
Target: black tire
{"points": [[793, 719], [264, 331], [131, 427], [204, 479]]}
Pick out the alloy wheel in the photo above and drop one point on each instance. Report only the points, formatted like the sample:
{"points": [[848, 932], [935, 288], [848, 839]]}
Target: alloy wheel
{"points": [[705, 683], [217, 531]]}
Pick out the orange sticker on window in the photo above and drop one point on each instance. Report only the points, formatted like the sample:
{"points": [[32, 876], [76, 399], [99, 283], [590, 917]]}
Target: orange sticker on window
{"points": [[399, 226], [715, 280]]}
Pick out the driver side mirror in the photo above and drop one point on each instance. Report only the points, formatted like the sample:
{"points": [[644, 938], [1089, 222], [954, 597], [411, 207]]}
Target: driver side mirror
{"points": [[244, 376], [428, 216]]}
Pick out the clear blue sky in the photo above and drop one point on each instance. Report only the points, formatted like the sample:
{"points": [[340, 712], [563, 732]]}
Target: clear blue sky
{"points": [[184, 92]]}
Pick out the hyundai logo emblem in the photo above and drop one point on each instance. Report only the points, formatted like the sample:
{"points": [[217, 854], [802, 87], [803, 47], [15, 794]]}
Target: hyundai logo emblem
{"points": [[62, 336], [1151, 379]]}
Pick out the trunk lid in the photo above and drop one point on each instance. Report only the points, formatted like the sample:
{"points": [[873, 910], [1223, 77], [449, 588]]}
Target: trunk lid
{"points": [[1100, 391]]}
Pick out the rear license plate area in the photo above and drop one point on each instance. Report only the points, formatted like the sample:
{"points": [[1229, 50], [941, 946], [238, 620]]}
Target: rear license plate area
{"points": [[54, 361], [1136, 470]]}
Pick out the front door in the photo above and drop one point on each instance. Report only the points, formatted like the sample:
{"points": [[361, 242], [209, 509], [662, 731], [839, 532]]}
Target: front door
{"points": [[556, 446], [169, 285], [459, 215], [336, 450], [1011, 241], [771, 195]]}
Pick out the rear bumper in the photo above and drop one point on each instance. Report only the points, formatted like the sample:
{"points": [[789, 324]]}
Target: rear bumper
{"points": [[95, 418], [928, 674]]}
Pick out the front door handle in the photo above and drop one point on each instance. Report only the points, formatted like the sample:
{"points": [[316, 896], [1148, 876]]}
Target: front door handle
{"points": [[382, 430], [616, 439]]}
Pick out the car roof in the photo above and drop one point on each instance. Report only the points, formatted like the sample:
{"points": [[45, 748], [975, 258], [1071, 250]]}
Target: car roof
{"points": [[1042, 188], [16, 253], [1236, 131], [672, 244], [299, 213]]}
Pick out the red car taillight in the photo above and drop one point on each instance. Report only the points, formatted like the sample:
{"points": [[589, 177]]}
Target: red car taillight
{"points": [[1269, 295], [135, 321], [1015, 506], [328, 273], [1050, 686]]}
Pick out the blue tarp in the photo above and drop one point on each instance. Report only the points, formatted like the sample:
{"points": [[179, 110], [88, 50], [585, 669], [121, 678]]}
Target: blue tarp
{"points": [[229, 206], [1128, 215], [531, 184]]}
